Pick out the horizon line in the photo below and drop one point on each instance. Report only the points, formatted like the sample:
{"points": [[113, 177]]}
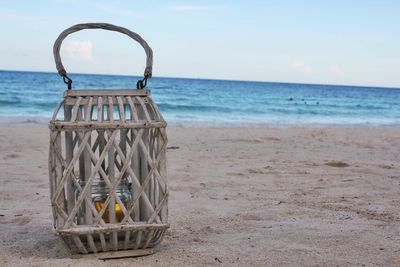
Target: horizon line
{"points": [[213, 79]]}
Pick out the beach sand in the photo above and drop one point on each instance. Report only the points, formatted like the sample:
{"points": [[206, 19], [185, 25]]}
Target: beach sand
{"points": [[239, 196]]}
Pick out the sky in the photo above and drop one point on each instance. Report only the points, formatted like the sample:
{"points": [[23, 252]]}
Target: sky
{"points": [[310, 41]]}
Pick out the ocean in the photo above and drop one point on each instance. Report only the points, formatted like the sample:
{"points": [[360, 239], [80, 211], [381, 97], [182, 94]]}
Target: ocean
{"points": [[31, 97]]}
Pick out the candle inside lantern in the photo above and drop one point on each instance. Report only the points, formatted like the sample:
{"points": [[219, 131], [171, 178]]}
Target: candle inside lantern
{"points": [[100, 195], [119, 215]]}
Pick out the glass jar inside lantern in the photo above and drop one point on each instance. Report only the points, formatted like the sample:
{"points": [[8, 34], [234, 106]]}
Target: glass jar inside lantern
{"points": [[100, 192]]}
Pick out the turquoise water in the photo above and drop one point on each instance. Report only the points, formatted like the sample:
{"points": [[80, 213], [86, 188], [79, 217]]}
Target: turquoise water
{"points": [[30, 97]]}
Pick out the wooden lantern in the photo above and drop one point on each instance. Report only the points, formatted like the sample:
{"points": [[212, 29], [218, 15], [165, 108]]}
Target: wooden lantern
{"points": [[107, 163]]}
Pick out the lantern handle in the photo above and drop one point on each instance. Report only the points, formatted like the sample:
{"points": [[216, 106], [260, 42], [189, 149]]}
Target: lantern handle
{"points": [[105, 26]]}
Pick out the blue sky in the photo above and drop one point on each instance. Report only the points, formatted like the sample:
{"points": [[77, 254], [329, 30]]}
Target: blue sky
{"points": [[332, 42]]}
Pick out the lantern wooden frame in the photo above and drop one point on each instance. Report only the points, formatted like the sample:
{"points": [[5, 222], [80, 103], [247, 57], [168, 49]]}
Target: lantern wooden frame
{"points": [[109, 135]]}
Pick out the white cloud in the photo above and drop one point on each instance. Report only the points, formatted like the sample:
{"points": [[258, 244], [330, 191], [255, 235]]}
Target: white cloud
{"points": [[79, 50], [335, 69], [301, 66]]}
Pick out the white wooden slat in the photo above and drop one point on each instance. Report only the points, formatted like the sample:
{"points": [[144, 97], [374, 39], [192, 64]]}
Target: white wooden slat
{"points": [[149, 238], [121, 108], [59, 181], [104, 246], [144, 108], [111, 205], [110, 109], [69, 150], [134, 113], [79, 244], [100, 112], [88, 112], [76, 109], [135, 166], [138, 239]]}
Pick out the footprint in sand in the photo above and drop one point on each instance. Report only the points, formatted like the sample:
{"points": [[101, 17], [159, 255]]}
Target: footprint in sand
{"points": [[18, 219], [234, 173], [255, 171], [271, 139], [388, 167], [242, 140], [311, 164], [21, 220], [338, 164], [348, 180], [12, 156], [251, 217]]}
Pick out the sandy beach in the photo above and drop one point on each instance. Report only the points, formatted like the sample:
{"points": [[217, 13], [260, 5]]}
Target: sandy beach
{"points": [[262, 196]]}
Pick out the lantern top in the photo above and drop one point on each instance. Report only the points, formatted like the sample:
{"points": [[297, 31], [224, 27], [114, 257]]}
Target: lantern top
{"points": [[105, 92], [91, 109]]}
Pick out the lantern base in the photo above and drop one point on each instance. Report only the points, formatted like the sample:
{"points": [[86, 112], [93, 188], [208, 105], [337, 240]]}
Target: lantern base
{"points": [[113, 237], [115, 254]]}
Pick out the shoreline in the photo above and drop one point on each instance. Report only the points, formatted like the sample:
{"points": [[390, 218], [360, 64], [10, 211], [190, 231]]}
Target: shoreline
{"points": [[238, 196], [22, 121]]}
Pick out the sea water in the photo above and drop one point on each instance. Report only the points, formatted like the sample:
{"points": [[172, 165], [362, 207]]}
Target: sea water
{"points": [[31, 97]]}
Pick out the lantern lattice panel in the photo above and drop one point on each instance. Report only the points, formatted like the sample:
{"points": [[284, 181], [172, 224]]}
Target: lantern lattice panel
{"points": [[108, 170]]}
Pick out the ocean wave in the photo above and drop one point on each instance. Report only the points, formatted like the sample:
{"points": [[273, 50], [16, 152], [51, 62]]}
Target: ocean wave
{"points": [[45, 105], [171, 107], [11, 101]]}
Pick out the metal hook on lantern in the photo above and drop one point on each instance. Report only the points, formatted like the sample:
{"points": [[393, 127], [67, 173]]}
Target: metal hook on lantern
{"points": [[67, 81], [142, 83]]}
